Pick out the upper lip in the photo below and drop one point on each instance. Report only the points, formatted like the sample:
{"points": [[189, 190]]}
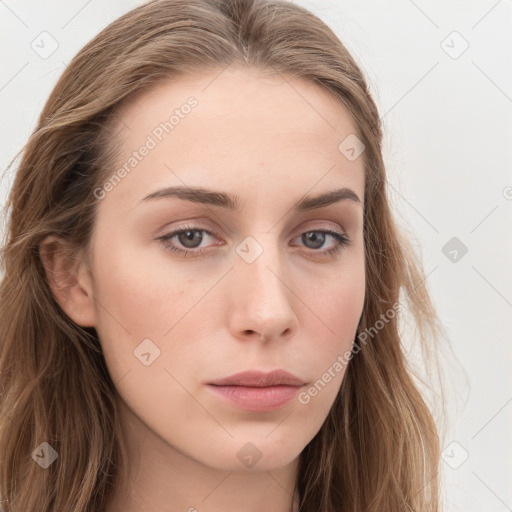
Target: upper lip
{"points": [[260, 379]]}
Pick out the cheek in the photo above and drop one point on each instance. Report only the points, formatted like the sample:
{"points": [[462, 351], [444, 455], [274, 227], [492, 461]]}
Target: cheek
{"points": [[134, 298], [336, 303], [330, 327], [142, 295]]}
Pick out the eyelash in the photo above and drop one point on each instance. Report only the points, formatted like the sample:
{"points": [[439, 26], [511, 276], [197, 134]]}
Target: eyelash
{"points": [[341, 241]]}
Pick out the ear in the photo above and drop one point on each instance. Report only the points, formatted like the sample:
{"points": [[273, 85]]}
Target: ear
{"points": [[71, 285]]}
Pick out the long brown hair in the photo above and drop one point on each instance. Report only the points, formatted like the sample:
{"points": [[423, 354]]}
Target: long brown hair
{"points": [[378, 449]]}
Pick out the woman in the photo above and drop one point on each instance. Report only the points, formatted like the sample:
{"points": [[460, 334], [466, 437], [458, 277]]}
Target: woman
{"points": [[203, 280]]}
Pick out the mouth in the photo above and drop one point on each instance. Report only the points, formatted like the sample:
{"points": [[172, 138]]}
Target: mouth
{"points": [[258, 391], [260, 379]]}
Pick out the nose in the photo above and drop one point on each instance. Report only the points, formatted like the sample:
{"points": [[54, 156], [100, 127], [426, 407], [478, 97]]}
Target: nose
{"points": [[261, 299]]}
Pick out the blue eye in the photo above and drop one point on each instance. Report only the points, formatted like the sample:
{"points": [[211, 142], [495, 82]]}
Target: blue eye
{"points": [[191, 237], [340, 238]]}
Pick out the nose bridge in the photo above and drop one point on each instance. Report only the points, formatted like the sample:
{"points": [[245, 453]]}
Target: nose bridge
{"points": [[263, 299], [259, 266]]}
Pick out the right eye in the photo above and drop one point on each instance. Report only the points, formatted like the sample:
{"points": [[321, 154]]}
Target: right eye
{"points": [[189, 237]]}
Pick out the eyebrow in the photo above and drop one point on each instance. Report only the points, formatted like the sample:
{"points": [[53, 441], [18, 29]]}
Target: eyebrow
{"points": [[233, 202]]}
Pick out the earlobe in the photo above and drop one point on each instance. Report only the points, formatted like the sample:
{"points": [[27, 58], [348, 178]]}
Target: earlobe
{"points": [[70, 285]]}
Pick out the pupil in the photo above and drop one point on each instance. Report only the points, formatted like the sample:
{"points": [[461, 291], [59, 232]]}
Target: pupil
{"points": [[192, 238], [317, 238], [188, 236]]}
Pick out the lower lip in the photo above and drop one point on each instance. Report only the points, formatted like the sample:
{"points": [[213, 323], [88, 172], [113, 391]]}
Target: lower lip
{"points": [[257, 399]]}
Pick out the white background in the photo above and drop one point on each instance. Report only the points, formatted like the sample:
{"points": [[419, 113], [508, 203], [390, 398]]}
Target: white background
{"points": [[448, 150]]}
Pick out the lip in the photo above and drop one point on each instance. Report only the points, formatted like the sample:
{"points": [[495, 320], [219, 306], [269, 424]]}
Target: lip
{"points": [[258, 391], [259, 379]]}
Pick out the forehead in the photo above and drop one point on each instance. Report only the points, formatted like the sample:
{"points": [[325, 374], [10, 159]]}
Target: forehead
{"points": [[271, 101], [235, 128]]}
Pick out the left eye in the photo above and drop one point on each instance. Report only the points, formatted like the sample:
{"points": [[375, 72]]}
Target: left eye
{"points": [[318, 236], [190, 239]]}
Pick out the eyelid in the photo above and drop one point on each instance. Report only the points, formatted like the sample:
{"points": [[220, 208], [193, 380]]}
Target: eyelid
{"points": [[340, 237], [171, 233], [198, 226], [321, 227]]}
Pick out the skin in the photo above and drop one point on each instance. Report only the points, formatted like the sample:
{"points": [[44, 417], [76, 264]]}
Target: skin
{"points": [[270, 141]]}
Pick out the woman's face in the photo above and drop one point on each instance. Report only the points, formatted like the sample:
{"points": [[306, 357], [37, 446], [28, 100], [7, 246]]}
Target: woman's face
{"points": [[258, 279]]}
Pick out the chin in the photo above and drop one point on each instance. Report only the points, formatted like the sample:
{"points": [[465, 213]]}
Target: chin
{"points": [[253, 454]]}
